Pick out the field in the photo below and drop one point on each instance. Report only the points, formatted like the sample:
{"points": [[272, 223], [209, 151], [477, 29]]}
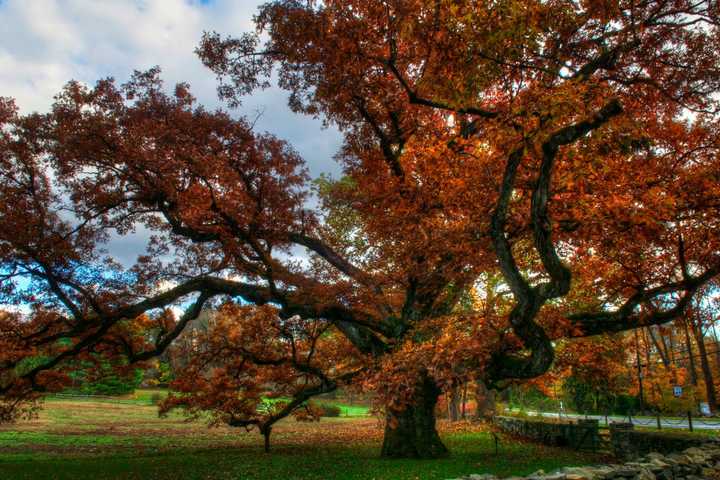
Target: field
{"points": [[125, 439]]}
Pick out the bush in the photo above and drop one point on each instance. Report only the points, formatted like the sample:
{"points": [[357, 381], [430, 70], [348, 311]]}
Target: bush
{"points": [[101, 378], [156, 398], [625, 404], [329, 410]]}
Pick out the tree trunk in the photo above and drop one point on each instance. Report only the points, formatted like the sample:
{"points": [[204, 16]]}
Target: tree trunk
{"points": [[705, 365], [265, 431], [671, 339], [691, 356], [660, 348], [454, 399], [639, 371], [411, 433], [716, 346], [665, 352], [708, 377], [485, 401]]}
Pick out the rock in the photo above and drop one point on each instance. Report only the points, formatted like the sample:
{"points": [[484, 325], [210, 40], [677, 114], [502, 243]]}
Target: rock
{"points": [[626, 472], [664, 475], [659, 463], [581, 473], [645, 475], [710, 472], [654, 456], [695, 463], [695, 451]]}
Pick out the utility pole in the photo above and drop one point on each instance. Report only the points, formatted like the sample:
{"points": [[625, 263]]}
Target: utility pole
{"points": [[639, 371]]}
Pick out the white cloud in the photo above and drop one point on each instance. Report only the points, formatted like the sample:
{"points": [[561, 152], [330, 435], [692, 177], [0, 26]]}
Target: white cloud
{"points": [[45, 43]]}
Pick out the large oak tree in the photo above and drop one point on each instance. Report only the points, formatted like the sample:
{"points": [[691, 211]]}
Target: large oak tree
{"points": [[568, 148]]}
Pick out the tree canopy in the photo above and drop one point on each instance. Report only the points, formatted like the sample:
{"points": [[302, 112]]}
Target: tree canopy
{"points": [[564, 152]]}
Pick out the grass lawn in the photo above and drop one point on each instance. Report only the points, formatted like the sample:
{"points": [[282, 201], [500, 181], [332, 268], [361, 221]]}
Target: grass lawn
{"points": [[89, 439]]}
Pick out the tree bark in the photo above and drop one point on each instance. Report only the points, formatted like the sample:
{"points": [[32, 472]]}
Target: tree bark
{"points": [[485, 401], [660, 348], [708, 377], [716, 345], [454, 399], [705, 364], [639, 371], [691, 356], [266, 431], [411, 433]]}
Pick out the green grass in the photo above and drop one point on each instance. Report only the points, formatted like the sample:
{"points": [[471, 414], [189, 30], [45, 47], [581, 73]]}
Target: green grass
{"points": [[87, 439], [470, 455], [142, 396]]}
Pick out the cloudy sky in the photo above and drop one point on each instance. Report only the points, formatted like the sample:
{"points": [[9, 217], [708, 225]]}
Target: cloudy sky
{"points": [[45, 43]]}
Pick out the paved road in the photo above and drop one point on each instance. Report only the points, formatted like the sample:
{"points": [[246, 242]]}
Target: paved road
{"points": [[698, 423]]}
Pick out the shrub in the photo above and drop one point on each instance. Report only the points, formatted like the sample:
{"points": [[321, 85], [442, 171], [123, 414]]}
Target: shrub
{"points": [[329, 410], [101, 378]]}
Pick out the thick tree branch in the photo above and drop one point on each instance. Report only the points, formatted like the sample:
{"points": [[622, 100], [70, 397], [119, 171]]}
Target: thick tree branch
{"points": [[559, 284], [332, 257], [530, 299], [503, 249], [627, 316], [528, 302], [360, 329]]}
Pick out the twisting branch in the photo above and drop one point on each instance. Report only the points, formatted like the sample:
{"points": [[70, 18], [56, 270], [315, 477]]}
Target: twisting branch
{"points": [[503, 249], [604, 61], [530, 299], [96, 328], [559, 284], [314, 244], [521, 317]]}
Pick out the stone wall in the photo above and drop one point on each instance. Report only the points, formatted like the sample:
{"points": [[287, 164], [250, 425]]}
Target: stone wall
{"points": [[628, 443], [696, 463], [580, 434]]}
